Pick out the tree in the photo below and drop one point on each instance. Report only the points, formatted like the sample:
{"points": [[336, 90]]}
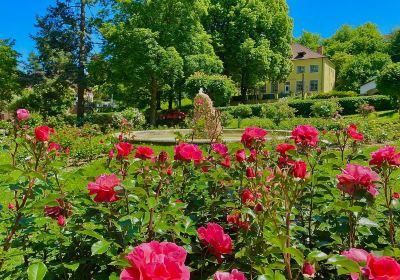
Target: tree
{"points": [[394, 47], [220, 88], [251, 33], [9, 74], [149, 65], [173, 35], [359, 69], [388, 82], [310, 40], [62, 44]]}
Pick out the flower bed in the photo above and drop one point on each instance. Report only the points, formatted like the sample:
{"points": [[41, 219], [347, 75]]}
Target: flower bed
{"points": [[307, 208]]}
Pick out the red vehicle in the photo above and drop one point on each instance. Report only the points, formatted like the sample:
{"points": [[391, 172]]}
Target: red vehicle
{"points": [[172, 117]]}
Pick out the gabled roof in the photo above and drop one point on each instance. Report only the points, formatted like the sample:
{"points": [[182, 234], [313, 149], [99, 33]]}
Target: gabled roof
{"points": [[301, 52]]}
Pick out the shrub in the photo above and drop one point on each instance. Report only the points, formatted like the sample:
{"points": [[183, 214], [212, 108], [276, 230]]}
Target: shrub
{"points": [[134, 117], [326, 108], [334, 94], [388, 82], [278, 112], [364, 109], [241, 111], [220, 88]]}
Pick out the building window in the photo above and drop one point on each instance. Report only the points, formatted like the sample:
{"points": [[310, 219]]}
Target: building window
{"points": [[274, 87], [300, 69], [314, 68], [299, 86], [314, 85], [287, 87]]}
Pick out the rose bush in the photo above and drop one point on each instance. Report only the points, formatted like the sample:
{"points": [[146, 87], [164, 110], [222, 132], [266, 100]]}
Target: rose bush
{"points": [[294, 209]]}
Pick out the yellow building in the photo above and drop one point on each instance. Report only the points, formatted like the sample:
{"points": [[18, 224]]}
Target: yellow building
{"points": [[312, 73]]}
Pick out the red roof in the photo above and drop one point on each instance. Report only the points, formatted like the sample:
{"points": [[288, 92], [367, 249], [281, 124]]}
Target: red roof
{"points": [[301, 52]]}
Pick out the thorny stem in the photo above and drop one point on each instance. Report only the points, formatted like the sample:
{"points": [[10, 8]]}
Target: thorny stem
{"points": [[388, 199], [150, 231]]}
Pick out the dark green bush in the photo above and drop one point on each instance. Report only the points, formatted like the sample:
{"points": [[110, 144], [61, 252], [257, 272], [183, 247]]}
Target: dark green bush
{"points": [[326, 108], [303, 107], [334, 94]]}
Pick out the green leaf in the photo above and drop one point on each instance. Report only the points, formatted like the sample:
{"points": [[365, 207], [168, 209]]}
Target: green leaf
{"points": [[72, 266], [344, 265], [367, 222], [296, 254], [37, 271], [100, 247], [317, 256]]}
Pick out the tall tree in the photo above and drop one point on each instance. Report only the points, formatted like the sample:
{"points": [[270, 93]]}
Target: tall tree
{"points": [[388, 81], [168, 34], [63, 44], [9, 73], [394, 47], [253, 39], [310, 40]]}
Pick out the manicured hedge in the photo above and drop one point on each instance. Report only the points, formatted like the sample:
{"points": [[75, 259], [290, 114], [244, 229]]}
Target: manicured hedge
{"points": [[349, 105]]}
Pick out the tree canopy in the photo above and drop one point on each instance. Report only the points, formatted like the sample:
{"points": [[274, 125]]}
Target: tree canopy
{"points": [[253, 39], [9, 73]]}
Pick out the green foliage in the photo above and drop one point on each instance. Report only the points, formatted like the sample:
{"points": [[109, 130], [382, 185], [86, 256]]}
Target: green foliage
{"points": [[50, 98], [240, 111], [278, 111], [9, 74], [394, 47], [252, 38], [310, 40], [388, 82], [220, 88], [334, 94], [135, 118], [303, 107], [360, 69], [326, 108]]}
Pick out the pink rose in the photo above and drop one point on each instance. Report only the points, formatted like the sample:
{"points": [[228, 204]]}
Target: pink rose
{"points": [[188, 152], [386, 155], [163, 156], [354, 134], [226, 162], [305, 135], [42, 133], [234, 275], [284, 147], [220, 149], [252, 135], [61, 221], [357, 255], [144, 152], [240, 155], [250, 173], [11, 206], [356, 177], [308, 269], [111, 154], [103, 188], [54, 147], [216, 240], [299, 169], [382, 268], [22, 114], [124, 149], [156, 260]]}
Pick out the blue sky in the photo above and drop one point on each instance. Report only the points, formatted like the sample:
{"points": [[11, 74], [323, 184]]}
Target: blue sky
{"points": [[17, 17]]}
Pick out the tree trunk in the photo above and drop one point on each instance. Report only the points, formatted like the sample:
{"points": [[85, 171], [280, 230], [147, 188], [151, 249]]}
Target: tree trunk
{"points": [[153, 102], [170, 100], [80, 108], [243, 89]]}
